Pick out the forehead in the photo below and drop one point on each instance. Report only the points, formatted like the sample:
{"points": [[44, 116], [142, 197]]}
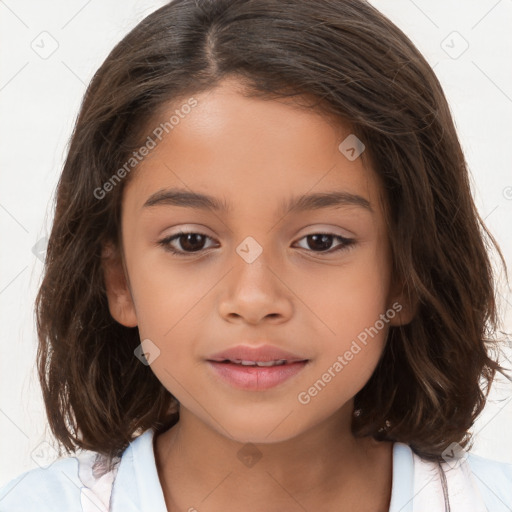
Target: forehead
{"points": [[245, 151]]}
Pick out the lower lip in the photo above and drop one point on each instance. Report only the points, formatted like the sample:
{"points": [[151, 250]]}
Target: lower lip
{"points": [[256, 377]]}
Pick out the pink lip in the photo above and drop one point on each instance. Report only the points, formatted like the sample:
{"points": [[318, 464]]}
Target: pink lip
{"points": [[256, 377], [263, 353]]}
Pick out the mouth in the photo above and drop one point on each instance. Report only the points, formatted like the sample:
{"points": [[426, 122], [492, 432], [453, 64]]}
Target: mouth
{"points": [[256, 368], [257, 375], [263, 364], [251, 355]]}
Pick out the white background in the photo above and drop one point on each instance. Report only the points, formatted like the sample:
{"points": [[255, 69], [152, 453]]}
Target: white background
{"points": [[39, 100]]}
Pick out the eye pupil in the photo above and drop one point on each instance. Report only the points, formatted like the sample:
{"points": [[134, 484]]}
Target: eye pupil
{"points": [[190, 239], [320, 242]]}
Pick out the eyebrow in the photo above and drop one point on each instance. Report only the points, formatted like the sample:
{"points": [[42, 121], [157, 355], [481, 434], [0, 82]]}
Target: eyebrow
{"points": [[306, 202]]}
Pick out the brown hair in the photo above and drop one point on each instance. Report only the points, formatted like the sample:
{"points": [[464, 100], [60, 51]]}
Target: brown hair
{"points": [[363, 70]]}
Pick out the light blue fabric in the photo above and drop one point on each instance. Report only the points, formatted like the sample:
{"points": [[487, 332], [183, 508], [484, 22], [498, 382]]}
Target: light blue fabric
{"points": [[494, 480], [53, 489], [402, 488], [137, 487]]}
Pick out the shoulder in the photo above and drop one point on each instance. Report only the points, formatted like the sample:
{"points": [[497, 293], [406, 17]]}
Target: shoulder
{"points": [[44, 489], [494, 480], [76, 483], [470, 482]]}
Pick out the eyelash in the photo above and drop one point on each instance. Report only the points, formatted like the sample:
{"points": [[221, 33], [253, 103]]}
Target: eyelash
{"points": [[165, 243]]}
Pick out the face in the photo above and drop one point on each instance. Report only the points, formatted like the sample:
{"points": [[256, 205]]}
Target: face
{"points": [[313, 280]]}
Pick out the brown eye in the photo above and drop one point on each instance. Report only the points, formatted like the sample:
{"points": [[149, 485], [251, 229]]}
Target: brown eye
{"points": [[188, 243], [322, 242]]}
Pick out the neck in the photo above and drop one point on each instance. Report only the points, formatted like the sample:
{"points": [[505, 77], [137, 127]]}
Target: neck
{"points": [[202, 468]]}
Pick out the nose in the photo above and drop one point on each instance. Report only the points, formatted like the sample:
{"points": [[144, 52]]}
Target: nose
{"points": [[255, 291]]}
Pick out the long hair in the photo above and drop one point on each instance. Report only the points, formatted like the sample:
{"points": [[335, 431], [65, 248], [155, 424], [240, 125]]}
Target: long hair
{"points": [[352, 63]]}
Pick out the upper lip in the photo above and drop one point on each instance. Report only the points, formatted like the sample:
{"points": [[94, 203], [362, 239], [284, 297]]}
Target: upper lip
{"points": [[263, 353]]}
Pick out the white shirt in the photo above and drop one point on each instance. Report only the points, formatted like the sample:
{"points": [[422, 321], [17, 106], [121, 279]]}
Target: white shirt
{"points": [[82, 484]]}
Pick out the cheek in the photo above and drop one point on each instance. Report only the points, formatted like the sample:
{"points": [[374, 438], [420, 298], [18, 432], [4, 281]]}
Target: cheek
{"points": [[168, 294], [351, 306], [347, 299], [170, 303], [348, 352]]}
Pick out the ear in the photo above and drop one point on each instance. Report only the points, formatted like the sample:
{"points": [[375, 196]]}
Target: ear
{"points": [[402, 304], [119, 296]]}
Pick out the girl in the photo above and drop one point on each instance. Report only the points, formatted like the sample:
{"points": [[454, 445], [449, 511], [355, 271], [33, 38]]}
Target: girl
{"points": [[266, 286]]}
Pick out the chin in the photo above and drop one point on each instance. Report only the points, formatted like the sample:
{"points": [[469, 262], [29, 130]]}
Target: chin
{"points": [[259, 437], [258, 429]]}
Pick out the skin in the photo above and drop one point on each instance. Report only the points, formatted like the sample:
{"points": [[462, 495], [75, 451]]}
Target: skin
{"points": [[293, 295]]}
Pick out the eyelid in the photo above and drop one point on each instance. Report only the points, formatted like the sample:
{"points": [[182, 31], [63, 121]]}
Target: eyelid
{"points": [[317, 228], [346, 244], [166, 242]]}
